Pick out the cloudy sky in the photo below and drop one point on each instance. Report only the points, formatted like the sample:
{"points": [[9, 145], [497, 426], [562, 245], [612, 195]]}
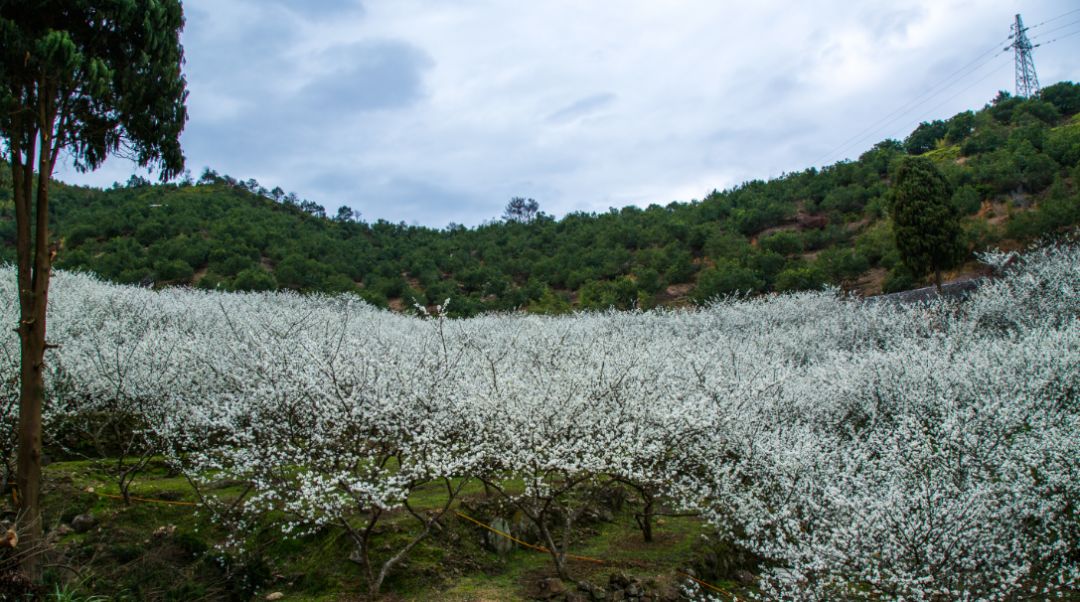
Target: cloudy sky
{"points": [[434, 111]]}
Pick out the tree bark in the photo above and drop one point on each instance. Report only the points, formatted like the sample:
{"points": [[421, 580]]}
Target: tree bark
{"points": [[34, 266], [645, 519]]}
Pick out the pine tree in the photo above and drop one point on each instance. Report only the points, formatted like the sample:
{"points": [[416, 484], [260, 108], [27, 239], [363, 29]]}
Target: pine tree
{"points": [[926, 226]]}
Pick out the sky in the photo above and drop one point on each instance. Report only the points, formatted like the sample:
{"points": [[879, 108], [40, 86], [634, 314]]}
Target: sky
{"points": [[434, 112]]}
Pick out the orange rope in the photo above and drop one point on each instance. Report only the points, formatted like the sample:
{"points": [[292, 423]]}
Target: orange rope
{"points": [[527, 545], [585, 558], [708, 585]]}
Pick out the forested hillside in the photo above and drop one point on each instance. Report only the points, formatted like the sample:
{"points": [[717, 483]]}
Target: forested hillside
{"points": [[1014, 167]]}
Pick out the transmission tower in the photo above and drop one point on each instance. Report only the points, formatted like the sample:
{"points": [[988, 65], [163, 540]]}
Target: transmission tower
{"points": [[1027, 83]]}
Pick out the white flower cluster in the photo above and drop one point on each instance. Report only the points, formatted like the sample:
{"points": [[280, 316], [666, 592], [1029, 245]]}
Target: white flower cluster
{"points": [[922, 452]]}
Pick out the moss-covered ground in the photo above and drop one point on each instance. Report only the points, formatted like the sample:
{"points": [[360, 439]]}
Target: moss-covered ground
{"points": [[169, 549]]}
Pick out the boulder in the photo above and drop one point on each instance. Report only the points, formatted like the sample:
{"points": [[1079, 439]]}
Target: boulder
{"points": [[83, 523], [744, 577], [497, 543], [552, 587]]}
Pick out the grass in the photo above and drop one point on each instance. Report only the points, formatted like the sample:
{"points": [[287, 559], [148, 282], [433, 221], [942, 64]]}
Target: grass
{"points": [[163, 551]]}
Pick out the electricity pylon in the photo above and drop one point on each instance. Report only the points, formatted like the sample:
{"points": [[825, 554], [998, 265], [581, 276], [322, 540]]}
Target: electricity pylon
{"points": [[1027, 83]]}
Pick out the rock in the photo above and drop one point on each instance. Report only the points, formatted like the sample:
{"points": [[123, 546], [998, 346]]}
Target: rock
{"points": [[744, 577], [274, 596], [551, 587], [165, 531], [618, 580], [83, 523], [577, 597], [594, 592], [603, 515], [634, 590], [497, 543]]}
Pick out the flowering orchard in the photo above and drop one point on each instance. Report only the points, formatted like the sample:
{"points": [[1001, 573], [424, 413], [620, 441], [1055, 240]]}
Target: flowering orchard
{"points": [[861, 449]]}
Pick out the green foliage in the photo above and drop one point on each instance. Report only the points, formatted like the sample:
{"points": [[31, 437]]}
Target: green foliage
{"points": [[966, 200], [255, 279], [116, 68], [987, 135], [232, 234], [1063, 144], [726, 278], [783, 243], [1042, 110], [927, 227], [959, 127], [550, 304], [800, 278], [878, 245], [925, 137], [842, 265], [605, 294], [1065, 96], [899, 279], [1003, 106]]}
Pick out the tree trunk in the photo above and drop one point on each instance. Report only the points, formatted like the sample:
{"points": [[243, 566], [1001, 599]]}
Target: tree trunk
{"points": [[937, 279], [31, 400], [34, 263], [645, 519]]}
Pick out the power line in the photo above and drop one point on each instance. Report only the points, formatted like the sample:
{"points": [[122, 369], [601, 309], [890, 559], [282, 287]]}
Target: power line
{"points": [[1025, 66], [965, 89], [1048, 31], [917, 102], [1055, 18], [1068, 35]]}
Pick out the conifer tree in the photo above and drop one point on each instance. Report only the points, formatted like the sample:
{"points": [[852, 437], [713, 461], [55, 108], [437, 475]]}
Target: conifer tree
{"points": [[926, 226]]}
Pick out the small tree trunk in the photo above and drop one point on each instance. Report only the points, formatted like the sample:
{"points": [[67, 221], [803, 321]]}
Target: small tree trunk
{"points": [[34, 259], [645, 519], [937, 279], [558, 553], [31, 399]]}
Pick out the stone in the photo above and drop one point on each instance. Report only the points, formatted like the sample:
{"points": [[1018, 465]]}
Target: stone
{"points": [[745, 577], [594, 592], [83, 523], [618, 580], [497, 543], [274, 596], [552, 587], [164, 531]]}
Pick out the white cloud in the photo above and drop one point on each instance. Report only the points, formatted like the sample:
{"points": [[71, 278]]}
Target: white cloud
{"points": [[428, 111]]}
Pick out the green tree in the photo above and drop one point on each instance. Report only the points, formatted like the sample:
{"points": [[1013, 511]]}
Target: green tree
{"points": [[89, 78], [926, 225], [254, 279], [727, 277], [800, 278], [1065, 96], [925, 137]]}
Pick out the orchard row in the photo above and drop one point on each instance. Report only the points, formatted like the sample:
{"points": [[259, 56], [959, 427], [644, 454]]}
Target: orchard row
{"points": [[861, 449]]}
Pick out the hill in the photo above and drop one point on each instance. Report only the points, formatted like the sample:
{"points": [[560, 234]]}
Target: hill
{"points": [[1014, 165]]}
